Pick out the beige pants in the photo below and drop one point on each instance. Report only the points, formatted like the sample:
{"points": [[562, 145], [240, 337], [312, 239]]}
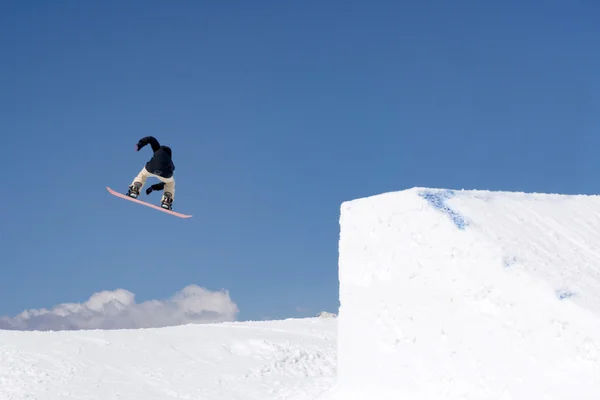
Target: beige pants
{"points": [[169, 182]]}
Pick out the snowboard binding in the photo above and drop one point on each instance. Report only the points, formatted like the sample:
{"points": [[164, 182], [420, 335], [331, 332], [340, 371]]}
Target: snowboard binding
{"points": [[167, 201], [134, 190]]}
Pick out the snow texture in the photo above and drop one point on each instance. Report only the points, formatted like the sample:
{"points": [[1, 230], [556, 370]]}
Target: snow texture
{"points": [[445, 295], [469, 295], [289, 359]]}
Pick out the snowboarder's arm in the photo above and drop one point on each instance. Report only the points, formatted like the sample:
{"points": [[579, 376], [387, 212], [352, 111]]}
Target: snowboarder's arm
{"points": [[157, 186], [148, 140]]}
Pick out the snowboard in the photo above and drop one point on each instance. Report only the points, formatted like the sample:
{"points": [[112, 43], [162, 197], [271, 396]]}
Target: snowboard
{"points": [[123, 196]]}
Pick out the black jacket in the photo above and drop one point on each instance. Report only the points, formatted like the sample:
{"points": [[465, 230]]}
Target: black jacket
{"points": [[161, 163]]}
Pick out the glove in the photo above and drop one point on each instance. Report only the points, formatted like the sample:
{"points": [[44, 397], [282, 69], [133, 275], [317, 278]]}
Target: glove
{"points": [[149, 190]]}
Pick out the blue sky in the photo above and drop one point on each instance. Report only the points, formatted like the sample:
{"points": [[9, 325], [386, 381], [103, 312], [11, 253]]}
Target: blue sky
{"points": [[276, 113]]}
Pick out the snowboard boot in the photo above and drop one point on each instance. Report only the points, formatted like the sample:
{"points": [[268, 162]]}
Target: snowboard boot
{"points": [[134, 190], [167, 201]]}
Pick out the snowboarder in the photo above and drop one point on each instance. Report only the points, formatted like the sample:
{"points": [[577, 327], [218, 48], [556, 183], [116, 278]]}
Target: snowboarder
{"points": [[160, 166]]}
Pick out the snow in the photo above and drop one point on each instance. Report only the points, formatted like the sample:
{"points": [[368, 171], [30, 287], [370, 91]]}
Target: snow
{"points": [[469, 295], [444, 295], [289, 359]]}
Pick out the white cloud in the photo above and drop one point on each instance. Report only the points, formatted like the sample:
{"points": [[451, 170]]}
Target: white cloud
{"points": [[118, 310]]}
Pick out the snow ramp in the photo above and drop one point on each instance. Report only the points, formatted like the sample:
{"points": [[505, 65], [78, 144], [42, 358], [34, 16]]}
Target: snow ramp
{"points": [[469, 295]]}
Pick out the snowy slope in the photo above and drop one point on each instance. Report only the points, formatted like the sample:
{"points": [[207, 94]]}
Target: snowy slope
{"points": [[289, 359], [444, 295], [469, 295]]}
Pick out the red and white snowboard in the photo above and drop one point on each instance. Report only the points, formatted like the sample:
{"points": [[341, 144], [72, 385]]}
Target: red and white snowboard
{"points": [[180, 215]]}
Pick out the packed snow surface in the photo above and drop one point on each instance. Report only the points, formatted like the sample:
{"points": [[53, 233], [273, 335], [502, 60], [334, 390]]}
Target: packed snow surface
{"points": [[469, 295], [289, 359], [444, 295]]}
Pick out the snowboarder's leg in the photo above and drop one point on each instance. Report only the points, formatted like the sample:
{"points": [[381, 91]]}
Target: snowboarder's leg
{"points": [[169, 193], [138, 183]]}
